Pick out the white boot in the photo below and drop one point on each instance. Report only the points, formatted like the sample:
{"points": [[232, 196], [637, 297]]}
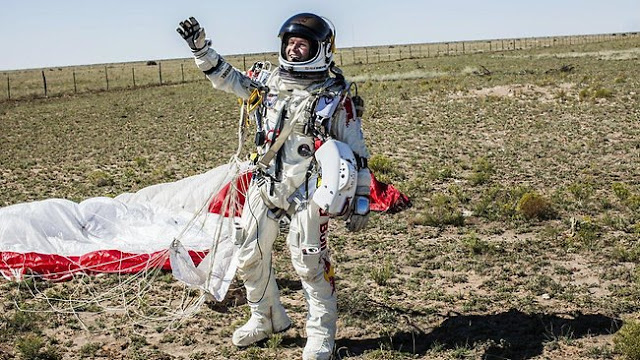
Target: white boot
{"points": [[264, 321], [318, 348], [321, 322]]}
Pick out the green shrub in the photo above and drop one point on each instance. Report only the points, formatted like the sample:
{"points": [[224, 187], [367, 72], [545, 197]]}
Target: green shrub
{"points": [[475, 245], [627, 340], [499, 204], [626, 253], [21, 321], [584, 94], [621, 191], [581, 191], [141, 161], [383, 168], [482, 171], [90, 349], [381, 164], [626, 196], [382, 274], [595, 92], [100, 178], [441, 210], [32, 347], [588, 232], [602, 93], [534, 206]]}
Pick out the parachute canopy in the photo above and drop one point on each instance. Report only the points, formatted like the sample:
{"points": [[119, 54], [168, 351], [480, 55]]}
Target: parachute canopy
{"points": [[188, 221]]}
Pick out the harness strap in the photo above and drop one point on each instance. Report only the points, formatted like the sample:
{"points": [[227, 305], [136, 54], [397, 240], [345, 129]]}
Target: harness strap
{"points": [[264, 161], [273, 149]]}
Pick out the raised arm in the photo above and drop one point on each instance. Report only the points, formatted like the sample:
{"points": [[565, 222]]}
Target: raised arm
{"points": [[222, 75]]}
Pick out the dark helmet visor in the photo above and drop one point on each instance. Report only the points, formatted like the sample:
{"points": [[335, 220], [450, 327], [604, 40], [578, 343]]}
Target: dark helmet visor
{"points": [[310, 26]]}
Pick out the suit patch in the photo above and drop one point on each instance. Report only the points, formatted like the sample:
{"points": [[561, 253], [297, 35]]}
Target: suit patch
{"points": [[271, 100], [226, 72]]}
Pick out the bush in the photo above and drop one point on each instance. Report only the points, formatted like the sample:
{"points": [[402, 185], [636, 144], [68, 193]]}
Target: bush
{"points": [[100, 178], [33, 347], [476, 246], [621, 191], [381, 164], [595, 92], [441, 210], [498, 203], [482, 171], [627, 340], [382, 274], [534, 206], [383, 168], [626, 196]]}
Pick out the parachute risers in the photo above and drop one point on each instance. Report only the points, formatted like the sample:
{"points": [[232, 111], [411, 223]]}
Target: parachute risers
{"points": [[339, 177]]}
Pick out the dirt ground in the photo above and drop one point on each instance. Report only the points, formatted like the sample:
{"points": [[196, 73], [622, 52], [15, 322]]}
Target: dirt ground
{"points": [[521, 241]]}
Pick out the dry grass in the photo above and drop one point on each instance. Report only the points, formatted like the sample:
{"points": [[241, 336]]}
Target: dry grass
{"points": [[551, 274]]}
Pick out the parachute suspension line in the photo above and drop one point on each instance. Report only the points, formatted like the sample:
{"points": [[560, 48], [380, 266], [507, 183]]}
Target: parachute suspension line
{"points": [[131, 294]]}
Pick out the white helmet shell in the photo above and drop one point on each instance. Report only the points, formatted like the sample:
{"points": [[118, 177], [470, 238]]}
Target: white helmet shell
{"points": [[321, 36], [339, 177]]}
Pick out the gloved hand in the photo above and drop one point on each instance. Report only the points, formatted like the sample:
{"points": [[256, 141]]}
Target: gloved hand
{"points": [[359, 216], [194, 35]]}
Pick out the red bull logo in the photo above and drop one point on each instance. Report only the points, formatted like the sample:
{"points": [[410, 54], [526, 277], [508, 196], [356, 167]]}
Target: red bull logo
{"points": [[329, 274]]}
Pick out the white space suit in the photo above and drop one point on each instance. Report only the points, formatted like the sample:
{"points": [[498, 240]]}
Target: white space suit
{"points": [[284, 188]]}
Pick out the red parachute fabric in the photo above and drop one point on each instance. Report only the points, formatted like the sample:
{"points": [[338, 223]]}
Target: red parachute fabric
{"points": [[384, 197], [241, 186], [57, 268]]}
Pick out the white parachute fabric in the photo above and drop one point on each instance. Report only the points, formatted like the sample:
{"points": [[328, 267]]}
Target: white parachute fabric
{"points": [[56, 238]]}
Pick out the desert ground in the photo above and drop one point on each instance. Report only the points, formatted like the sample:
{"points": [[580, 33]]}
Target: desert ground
{"points": [[521, 241]]}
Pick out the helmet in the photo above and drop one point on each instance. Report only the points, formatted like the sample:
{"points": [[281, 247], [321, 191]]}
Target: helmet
{"points": [[339, 177], [321, 37]]}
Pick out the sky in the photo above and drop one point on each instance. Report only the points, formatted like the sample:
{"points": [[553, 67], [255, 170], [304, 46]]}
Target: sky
{"points": [[49, 33]]}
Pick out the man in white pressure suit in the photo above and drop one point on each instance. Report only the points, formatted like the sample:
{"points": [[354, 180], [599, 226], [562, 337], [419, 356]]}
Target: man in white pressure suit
{"points": [[311, 166]]}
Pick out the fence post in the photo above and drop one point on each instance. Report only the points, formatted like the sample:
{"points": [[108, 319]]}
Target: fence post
{"points": [[410, 54], [160, 72], [106, 77], [340, 58], [44, 81], [447, 48], [133, 76], [244, 63], [182, 71], [463, 47], [8, 87], [366, 55], [75, 86]]}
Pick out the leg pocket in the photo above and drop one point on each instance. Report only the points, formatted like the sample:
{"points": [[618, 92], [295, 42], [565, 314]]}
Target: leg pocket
{"points": [[305, 256]]}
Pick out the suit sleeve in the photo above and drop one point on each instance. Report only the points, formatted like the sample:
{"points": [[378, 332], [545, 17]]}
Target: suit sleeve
{"points": [[347, 127], [224, 76]]}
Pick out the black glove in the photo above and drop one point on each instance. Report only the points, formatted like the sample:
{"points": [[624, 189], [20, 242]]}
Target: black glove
{"points": [[194, 35], [359, 216]]}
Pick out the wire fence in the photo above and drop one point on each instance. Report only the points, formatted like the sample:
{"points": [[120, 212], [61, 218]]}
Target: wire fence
{"points": [[58, 81]]}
